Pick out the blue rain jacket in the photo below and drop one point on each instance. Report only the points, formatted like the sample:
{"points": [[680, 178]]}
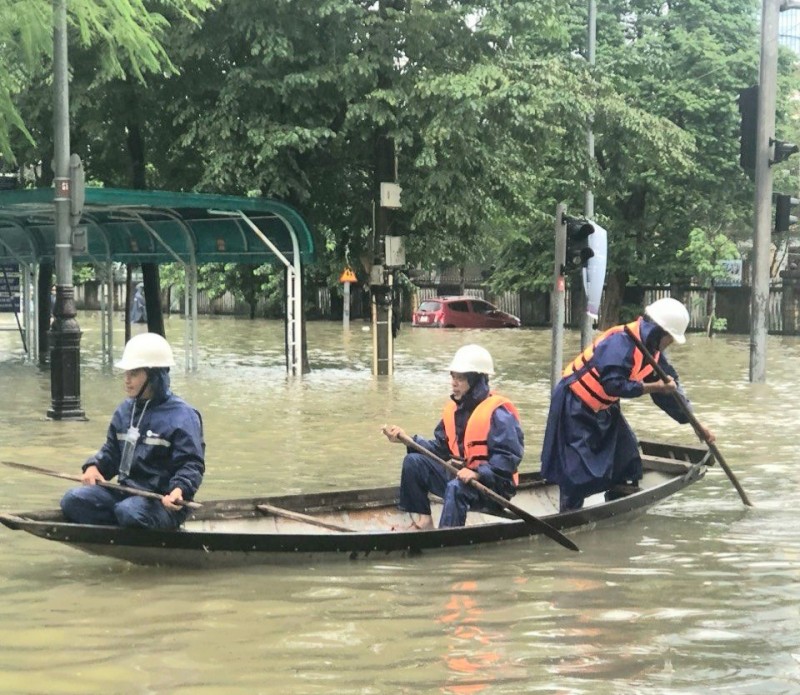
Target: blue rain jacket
{"points": [[169, 453], [586, 452], [138, 307]]}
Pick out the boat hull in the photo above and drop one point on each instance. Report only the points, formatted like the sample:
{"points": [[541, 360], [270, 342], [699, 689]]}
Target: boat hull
{"points": [[227, 533]]}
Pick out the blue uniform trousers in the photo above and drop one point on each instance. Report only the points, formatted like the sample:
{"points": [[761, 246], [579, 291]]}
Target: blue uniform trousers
{"points": [[421, 475], [93, 504]]}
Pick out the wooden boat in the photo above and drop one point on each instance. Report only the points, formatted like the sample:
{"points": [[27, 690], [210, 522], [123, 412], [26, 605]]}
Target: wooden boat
{"points": [[355, 523]]}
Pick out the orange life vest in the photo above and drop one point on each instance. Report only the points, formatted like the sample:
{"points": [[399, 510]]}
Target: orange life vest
{"points": [[476, 434], [587, 386]]}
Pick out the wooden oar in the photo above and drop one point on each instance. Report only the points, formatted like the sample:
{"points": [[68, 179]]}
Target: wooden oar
{"points": [[537, 523], [102, 483], [698, 428], [297, 516]]}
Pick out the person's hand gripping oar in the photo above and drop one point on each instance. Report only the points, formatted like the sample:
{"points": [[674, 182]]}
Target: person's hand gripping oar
{"points": [[538, 524], [699, 429]]}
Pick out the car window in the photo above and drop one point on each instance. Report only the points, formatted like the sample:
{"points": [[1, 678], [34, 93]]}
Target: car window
{"points": [[429, 306], [480, 307], [458, 306]]}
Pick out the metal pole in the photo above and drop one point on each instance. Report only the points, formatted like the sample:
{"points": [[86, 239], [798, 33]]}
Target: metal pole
{"points": [[586, 321], [109, 328], [25, 271], [34, 309], [380, 286], [346, 306], [759, 300], [557, 309], [65, 334]]}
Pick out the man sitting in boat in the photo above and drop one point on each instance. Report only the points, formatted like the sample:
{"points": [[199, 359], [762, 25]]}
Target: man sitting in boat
{"points": [[480, 429], [154, 442], [588, 445]]}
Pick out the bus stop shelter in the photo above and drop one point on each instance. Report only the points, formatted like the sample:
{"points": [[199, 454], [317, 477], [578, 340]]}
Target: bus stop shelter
{"points": [[138, 226]]}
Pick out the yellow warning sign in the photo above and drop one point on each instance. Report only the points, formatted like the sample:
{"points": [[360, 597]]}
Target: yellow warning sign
{"points": [[348, 276]]}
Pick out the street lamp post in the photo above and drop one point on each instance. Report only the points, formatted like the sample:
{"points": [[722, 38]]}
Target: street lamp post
{"points": [[65, 334]]}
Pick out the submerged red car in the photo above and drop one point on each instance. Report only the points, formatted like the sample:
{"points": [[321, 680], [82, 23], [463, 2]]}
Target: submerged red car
{"points": [[462, 312]]}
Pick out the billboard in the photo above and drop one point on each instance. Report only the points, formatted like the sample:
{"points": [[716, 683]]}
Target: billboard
{"points": [[9, 287], [733, 273]]}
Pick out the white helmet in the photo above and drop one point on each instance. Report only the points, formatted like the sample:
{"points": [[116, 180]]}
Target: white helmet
{"points": [[146, 350], [472, 358], [671, 315]]}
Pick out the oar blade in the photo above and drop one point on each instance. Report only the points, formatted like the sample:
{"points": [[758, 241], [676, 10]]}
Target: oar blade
{"points": [[698, 429]]}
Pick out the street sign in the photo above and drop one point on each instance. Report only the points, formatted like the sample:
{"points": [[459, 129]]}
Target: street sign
{"points": [[348, 276]]}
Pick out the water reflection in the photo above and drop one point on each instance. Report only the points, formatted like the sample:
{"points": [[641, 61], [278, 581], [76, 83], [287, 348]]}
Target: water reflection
{"points": [[699, 594]]}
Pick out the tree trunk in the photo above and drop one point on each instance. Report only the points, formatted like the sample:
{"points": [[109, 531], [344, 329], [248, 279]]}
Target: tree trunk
{"points": [[711, 308], [612, 300]]}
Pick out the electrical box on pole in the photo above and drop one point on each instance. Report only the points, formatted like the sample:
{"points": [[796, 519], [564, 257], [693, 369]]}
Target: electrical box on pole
{"points": [[77, 189], [395, 252]]}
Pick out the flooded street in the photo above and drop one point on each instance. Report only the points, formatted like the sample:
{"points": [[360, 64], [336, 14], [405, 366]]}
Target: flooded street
{"points": [[700, 594]]}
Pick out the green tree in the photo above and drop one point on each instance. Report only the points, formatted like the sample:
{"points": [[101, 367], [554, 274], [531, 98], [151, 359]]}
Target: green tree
{"points": [[662, 99], [125, 36], [703, 254], [686, 62], [487, 103]]}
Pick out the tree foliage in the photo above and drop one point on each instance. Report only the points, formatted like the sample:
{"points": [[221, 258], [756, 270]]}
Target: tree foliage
{"points": [[703, 253], [125, 36], [487, 103]]}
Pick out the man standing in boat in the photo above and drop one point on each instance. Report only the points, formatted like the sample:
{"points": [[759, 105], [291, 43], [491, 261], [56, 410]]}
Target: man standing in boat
{"points": [[154, 443], [588, 445], [480, 429]]}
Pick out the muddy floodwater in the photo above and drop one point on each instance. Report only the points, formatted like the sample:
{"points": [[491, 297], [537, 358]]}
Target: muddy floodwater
{"points": [[698, 595]]}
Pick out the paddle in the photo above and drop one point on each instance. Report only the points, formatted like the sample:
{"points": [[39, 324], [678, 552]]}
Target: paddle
{"points": [[102, 483], [297, 516], [698, 428], [537, 523]]}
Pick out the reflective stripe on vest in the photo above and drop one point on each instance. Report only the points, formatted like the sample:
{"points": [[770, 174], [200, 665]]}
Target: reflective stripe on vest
{"points": [[476, 434], [587, 386], [150, 441]]}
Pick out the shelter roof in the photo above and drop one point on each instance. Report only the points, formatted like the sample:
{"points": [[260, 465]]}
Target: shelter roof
{"points": [[135, 226]]}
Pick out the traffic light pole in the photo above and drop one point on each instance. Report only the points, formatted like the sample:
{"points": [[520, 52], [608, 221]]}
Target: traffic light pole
{"points": [[759, 300], [557, 298], [65, 334]]}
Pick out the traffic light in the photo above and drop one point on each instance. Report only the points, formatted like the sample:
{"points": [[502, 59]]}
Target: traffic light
{"points": [[578, 250], [748, 108], [783, 212], [783, 150], [587, 250]]}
